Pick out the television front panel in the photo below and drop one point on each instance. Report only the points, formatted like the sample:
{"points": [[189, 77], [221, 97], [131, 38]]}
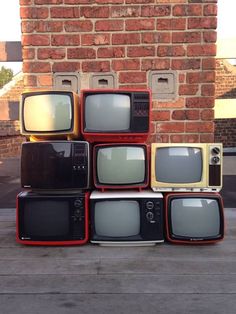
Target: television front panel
{"points": [[121, 166], [194, 218], [126, 218], [49, 115], [115, 115], [52, 219], [186, 167], [55, 165]]}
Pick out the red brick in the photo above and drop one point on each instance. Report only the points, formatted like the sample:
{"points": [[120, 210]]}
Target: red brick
{"points": [[51, 53], [207, 138], [210, 9], [141, 51], [157, 37], [35, 40], [170, 51], [140, 25], [192, 114], [111, 52], [177, 138], [200, 77], [208, 63], [126, 64], [96, 66], [45, 80], [132, 77], [207, 114], [179, 115], [187, 89], [187, 10], [208, 90], [161, 115], [200, 102], [33, 13], [28, 53], [125, 11], [199, 127], [64, 12], [170, 127], [65, 40], [36, 67], [186, 37], [155, 64], [94, 12], [66, 66], [30, 80], [109, 25], [210, 36], [202, 22], [78, 1], [201, 50], [95, 39], [38, 2], [126, 39], [157, 10], [49, 26], [78, 26], [109, 1], [25, 2], [171, 24], [192, 138], [139, 1], [186, 64], [81, 53]]}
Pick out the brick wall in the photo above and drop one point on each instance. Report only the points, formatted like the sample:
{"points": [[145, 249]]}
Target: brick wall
{"points": [[130, 38], [225, 129], [10, 138]]}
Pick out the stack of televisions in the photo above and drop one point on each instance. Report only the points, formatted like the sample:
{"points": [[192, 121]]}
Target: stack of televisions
{"points": [[88, 174]]}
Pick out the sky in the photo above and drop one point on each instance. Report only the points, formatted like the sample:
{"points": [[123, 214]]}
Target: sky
{"points": [[10, 23]]}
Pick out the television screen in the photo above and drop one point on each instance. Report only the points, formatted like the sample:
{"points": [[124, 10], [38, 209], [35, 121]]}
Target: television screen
{"points": [[121, 165], [48, 112], [117, 218], [195, 217], [178, 164], [49, 218], [107, 112]]}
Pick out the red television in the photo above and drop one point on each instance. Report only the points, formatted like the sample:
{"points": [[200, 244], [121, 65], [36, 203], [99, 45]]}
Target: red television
{"points": [[194, 218], [52, 219], [115, 115], [120, 166]]}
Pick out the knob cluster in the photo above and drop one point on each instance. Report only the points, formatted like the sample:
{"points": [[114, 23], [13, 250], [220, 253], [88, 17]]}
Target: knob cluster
{"points": [[215, 152]]}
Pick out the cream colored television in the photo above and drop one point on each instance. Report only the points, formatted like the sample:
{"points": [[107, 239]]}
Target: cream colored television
{"points": [[186, 167]]}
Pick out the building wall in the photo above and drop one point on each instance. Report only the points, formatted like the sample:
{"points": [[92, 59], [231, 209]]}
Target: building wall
{"points": [[130, 38], [225, 128]]}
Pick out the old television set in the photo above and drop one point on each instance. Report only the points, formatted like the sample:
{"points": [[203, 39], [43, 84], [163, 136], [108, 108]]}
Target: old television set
{"points": [[44, 219], [126, 218], [115, 115], [195, 218], [49, 114], [186, 167], [120, 166], [55, 165]]}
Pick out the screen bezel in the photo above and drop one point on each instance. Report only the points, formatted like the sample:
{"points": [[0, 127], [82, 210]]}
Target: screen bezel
{"points": [[197, 240], [68, 131], [129, 135], [168, 187], [24, 197], [102, 186]]}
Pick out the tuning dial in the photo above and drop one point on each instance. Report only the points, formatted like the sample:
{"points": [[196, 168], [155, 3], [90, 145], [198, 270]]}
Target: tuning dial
{"points": [[149, 216], [215, 150], [215, 160], [78, 202], [149, 205]]}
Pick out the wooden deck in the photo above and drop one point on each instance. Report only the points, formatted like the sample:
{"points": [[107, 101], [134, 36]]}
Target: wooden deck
{"points": [[92, 279]]}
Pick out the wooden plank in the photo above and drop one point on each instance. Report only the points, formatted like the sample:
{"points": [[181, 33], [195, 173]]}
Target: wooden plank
{"points": [[10, 51]]}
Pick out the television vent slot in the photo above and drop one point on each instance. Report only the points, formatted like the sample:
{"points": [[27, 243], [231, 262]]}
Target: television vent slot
{"points": [[141, 96]]}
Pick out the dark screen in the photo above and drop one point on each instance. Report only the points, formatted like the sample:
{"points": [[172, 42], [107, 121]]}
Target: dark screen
{"points": [[46, 218]]}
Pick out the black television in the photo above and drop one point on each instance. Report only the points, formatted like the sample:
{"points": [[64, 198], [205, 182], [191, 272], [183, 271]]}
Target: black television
{"points": [[52, 219], [53, 165]]}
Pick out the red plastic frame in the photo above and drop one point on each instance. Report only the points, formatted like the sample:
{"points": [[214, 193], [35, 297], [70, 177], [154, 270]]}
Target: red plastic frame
{"points": [[56, 243], [198, 242], [125, 137], [121, 187]]}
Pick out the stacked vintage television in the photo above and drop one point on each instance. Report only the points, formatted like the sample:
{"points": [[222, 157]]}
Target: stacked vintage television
{"points": [[89, 175]]}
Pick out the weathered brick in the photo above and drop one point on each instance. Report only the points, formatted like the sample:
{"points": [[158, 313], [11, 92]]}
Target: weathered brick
{"points": [[132, 77], [65, 40], [96, 66], [94, 12], [156, 37], [171, 51], [139, 25], [66, 66], [141, 51], [95, 39], [201, 50], [171, 24], [64, 12], [51, 53], [126, 39], [155, 64], [157, 10], [126, 64], [109, 25], [81, 53], [78, 26], [111, 52], [186, 37]]}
